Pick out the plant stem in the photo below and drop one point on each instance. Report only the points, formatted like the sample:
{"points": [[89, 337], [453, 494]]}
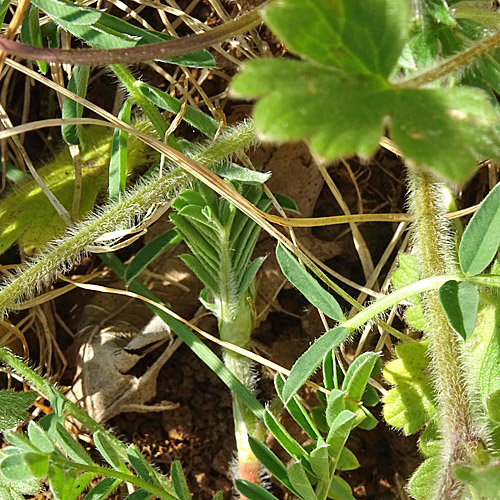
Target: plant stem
{"points": [[162, 50], [459, 435], [452, 64]]}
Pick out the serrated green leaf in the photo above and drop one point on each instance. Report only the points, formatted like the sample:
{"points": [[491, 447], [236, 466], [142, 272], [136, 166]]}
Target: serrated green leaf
{"points": [[357, 375], [347, 460], [459, 301], [319, 462], [311, 359], [481, 237], [37, 463], [106, 31], [422, 483], [445, 129], [150, 252], [179, 481], [108, 452], [13, 406], [300, 482], [71, 109], [485, 480], [340, 489], [253, 491], [307, 285], [410, 404], [269, 460], [101, 490], [342, 33], [31, 33]]}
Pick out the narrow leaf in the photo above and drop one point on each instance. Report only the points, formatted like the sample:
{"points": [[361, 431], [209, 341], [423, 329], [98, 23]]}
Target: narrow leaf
{"points": [[300, 482], [40, 438], [150, 252], [357, 375], [250, 274], [253, 491], [179, 481], [283, 437], [118, 160], [106, 449], [339, 432], [347, 460], [481, 237], [71, 109], [340, 489], [37, 464], [335, 405], [234, 172], [459, 301], [103, 489], [307, 285], [71, 447], [311, 359], [319, 462], [31, 33]]}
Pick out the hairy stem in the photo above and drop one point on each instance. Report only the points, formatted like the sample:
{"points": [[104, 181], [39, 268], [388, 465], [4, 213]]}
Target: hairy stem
{"points": [[458, 431], [60, 254]]}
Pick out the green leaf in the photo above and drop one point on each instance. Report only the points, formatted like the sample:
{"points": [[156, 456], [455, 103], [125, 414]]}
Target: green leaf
{"points": [[319, 461], [357, 375], [140, 464], [37, 463], [179, 481], [445, 129], [481, 237], [347, 460], [150, 252], [20, 441], [103, 489], [253, 491], [108, 32], [13, 467], [297, 411], [408, 271], [340, 489], [108, 452], [493, 405], [71, 447], [422, 483], [339, 432], [459, 301], [199, 120], [485, 480], [40, 438], [201, 272], [219, 495], [410, 404], [234, 172], [250, 273], [31, 33], [342, 33], [311, 359], [283, 437], [269, 460], [300, 482], [429, 442], [335, 405], [13, 406], [119, 153], [139, 494], [307, 285], [71, 109]]}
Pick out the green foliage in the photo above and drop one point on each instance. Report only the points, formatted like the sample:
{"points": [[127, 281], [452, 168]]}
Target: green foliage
{"points": [[484, 480], [481, 237], [410, 404], [71, 109], [459, 301], [106, 31], [348, 54], [307, 285], [13, 406], [26, 215]]}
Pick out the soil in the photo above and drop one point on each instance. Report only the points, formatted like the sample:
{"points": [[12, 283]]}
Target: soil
{"points": [[199, 431]]}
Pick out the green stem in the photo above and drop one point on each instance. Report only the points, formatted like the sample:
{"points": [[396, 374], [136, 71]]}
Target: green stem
{"points": [[459, 435]]}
